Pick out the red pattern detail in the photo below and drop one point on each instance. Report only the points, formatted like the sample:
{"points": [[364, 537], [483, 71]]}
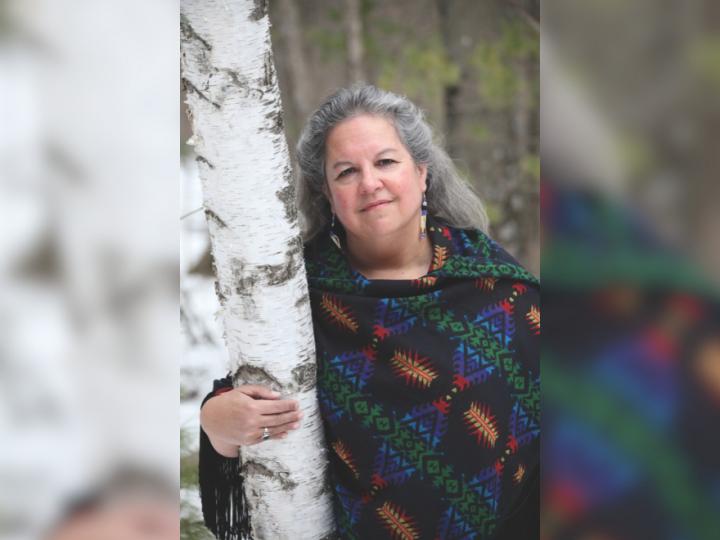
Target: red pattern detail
{"points": [[399, 524], [425, 281], [512, 444], [378, 481], [380, 332], [343, 452], [440, 255], [481, 423], [519, 474], [486, 283], [415, 369], [506, 306], [460, 382], [499, 467], [446, 233], [338, 313], [442, 405], [370, 353], [520, 288], [533, 318]]}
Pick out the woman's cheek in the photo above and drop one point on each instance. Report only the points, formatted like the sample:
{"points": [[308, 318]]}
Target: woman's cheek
{"points": [[343, 202]]}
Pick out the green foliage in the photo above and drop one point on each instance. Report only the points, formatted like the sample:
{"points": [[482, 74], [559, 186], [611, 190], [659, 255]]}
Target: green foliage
{"points": [[191, 524], [704, 58], [330, 43], [480, 131], [334, 14], [530, 165], [636, 154], [188, 462], [495, 212], [497, 63], [366, 7], [421, 70]]}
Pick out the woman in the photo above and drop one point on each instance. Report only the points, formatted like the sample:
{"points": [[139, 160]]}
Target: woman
{"points": [[426, 334]]}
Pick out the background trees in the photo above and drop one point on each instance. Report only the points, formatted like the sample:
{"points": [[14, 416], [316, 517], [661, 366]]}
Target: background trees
{"points": [[472, 66]]}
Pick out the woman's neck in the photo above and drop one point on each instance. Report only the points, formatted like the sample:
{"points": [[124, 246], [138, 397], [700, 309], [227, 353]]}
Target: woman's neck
{"points": [[391, 258]]}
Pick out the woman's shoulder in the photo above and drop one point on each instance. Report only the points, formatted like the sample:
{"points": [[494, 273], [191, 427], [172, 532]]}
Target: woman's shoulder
{"points": [[474, 249]]}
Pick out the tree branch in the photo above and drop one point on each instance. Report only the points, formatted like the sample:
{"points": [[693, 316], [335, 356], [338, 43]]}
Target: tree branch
{"points": [[533, 22]]}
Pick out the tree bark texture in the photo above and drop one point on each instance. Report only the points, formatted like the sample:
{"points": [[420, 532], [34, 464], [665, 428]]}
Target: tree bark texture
{"points": [[248, 196]]}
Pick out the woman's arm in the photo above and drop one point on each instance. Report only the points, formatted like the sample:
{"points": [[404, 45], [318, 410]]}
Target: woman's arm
{"points": [[236, 417], [230, 418]]}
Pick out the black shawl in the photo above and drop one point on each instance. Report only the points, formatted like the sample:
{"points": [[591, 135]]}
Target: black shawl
{"points": [[429, 391]]}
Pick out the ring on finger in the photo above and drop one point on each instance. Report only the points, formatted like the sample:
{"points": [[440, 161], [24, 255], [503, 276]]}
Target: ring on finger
{"points": [[265, 434]]}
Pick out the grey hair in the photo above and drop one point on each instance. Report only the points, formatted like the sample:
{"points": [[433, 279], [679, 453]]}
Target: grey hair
{"points": [[449, 197]]}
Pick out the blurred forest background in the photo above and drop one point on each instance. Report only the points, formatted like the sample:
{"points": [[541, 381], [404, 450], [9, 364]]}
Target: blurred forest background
{"points": [[88, 276], [472, 66]]}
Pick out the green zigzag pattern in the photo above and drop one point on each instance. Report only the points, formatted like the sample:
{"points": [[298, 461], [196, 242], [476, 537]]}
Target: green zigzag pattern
{"points": [[430, 463], [459, 266], [522, 387]]}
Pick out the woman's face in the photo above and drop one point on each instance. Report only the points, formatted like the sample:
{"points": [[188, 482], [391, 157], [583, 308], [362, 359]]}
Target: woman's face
{"points": [[374, 186]]}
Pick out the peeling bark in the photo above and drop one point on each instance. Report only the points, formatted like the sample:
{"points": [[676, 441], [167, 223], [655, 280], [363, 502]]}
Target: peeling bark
{"points": [[234, 101], [212, 216]]}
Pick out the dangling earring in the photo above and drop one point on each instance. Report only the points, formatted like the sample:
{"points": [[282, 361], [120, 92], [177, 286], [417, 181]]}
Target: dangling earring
{"points": [[423, 218], [333, 236]]}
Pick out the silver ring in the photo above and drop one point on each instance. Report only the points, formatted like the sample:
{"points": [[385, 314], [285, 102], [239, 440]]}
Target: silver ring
{"points": [[265, 434]]}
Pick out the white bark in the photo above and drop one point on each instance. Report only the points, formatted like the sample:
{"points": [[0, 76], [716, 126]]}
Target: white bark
{"points": [[234, 101]]}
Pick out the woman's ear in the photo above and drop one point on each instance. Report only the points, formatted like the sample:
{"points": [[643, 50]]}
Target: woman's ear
{"points": [[422, 171], [328, 198]]}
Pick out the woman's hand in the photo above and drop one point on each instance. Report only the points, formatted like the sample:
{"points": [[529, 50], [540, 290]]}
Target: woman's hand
{"points": [[237, 417]]}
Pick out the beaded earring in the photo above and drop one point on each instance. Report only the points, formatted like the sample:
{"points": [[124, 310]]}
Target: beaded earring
{"points": [[423, 218], [333, 235]]}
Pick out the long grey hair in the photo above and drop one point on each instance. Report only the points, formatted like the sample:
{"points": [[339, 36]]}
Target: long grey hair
{"points": [[449, 197]]}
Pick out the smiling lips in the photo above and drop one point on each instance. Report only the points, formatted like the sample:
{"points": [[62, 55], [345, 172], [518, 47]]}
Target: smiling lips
{"points": [[375, 205]]}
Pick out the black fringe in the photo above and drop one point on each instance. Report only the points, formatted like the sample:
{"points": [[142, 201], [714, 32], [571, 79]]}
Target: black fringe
{"points": [[223, 501]]}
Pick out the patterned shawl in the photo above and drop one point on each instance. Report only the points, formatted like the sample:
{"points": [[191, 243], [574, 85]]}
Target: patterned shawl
{"points": [[429, 390]]}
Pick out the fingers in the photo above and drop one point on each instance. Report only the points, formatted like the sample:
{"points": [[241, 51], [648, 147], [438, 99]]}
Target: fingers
{"points": [[258, 392], [273, 420], [277, 432], [277, 406], [267, 401]]}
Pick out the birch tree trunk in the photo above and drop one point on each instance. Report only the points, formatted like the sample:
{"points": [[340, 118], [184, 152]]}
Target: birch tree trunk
{"points": [[248, 195]]}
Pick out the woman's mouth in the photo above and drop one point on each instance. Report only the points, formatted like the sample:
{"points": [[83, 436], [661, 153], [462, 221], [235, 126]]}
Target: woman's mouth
{"points": [[375, 204]]}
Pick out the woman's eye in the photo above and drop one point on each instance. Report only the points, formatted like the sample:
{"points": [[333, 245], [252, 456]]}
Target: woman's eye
{"points": [[347, 171], [385, 162]]}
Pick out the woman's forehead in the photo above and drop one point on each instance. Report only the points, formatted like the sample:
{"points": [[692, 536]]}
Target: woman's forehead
{"points": [[364, 133]]}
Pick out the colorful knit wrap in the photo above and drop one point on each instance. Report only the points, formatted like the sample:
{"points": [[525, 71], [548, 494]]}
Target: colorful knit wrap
{"points": [[430, 391]]}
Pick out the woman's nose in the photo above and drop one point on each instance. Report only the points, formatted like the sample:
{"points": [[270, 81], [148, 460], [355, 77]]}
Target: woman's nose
{"points": [[370, 180]]}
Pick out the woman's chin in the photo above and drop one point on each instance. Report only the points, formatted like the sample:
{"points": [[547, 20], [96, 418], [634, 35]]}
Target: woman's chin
{"points": [[378, 229]]}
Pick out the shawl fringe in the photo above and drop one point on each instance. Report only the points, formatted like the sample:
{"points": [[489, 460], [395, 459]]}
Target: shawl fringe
{"points": [[224, 507]]}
